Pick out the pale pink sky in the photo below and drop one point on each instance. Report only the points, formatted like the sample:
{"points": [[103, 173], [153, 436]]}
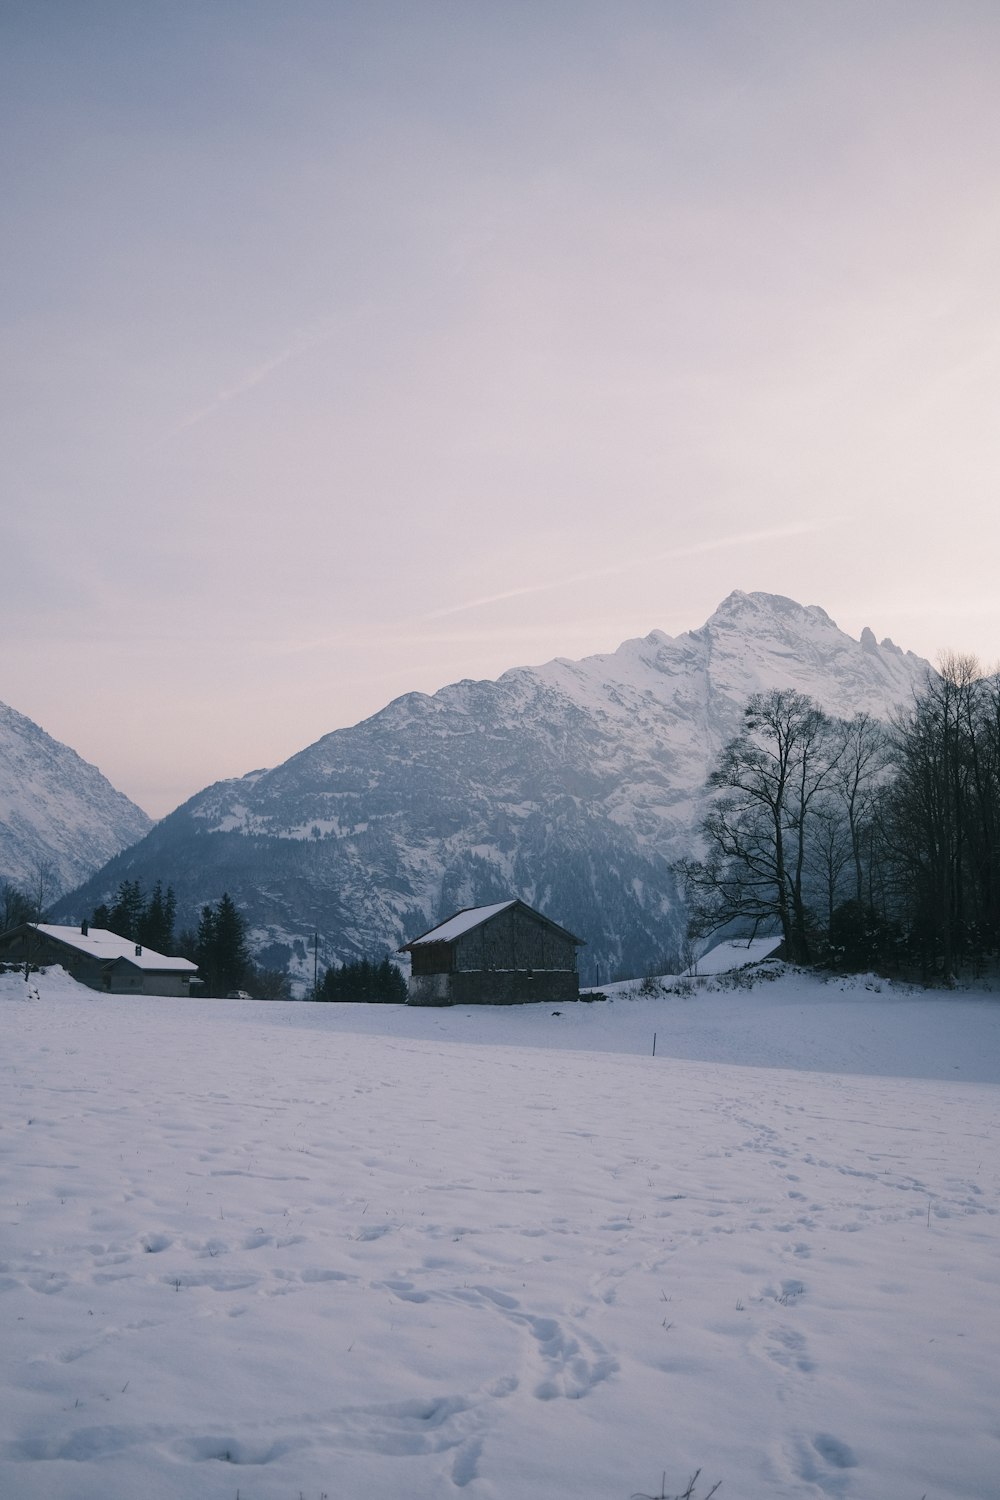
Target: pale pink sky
{"points": [[357, 348]]}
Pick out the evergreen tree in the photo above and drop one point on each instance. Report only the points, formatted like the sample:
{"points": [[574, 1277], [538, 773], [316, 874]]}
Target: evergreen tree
{"points": [[156, 928], [149, 922], [204, 951], [231, 956], [127, 913], [390, 984], [365, 982]]}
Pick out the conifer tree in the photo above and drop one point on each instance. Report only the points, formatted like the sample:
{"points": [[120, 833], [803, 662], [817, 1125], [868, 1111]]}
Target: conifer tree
{"points": [[127, 913], [231, 957], [363, 981]]}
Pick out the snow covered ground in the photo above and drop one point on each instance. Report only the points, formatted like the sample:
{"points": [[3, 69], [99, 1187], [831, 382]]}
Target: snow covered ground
{"points": [[273, 1251]]}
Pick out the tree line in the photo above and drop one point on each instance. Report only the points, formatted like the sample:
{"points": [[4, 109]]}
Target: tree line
{"points": [[364, 980], [863, 844], [141, 919], [219, 946]]}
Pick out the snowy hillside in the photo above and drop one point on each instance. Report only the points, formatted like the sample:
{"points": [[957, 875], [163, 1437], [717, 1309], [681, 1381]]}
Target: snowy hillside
{"points": [[572, 785], [56, 809], [297, 1250]]}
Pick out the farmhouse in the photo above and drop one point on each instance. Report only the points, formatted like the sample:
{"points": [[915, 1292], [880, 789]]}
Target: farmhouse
{"points": [[98, 958], [505, 954]]}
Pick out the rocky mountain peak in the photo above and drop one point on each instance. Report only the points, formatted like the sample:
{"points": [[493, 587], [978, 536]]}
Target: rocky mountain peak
{"points": [[574, 785], [56, 810]]}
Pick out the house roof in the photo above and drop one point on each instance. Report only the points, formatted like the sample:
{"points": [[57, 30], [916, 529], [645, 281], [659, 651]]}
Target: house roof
{"points": [[734, 953], [106, 947], [474, 916]]}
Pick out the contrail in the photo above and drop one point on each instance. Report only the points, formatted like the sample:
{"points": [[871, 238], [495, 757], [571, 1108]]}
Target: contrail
{"points": [[697, 549], [249, 380]]}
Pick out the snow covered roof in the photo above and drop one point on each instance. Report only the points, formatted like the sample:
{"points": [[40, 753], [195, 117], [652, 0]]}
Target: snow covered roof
{"points": [[734, 954], [475, 916], [106, 946], [462, 921]]}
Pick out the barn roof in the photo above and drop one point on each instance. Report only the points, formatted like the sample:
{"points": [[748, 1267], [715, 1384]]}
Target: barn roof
{"points": [[107, 946], [462, 921], [474, 916]]}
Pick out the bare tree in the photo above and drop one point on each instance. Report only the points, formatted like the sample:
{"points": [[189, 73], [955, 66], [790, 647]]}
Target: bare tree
{"points": [[767, 785], [861, 767], [15, 907], [41, 890], [830, 853], [43, 887], [942, 817]]}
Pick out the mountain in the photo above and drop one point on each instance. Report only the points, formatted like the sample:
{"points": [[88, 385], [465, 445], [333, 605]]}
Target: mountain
{"points": [[572, 785], [57, 812]]}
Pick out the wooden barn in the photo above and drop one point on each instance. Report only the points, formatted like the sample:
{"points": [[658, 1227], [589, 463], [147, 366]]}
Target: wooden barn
{"points": [[98, 958], [505, 954]]}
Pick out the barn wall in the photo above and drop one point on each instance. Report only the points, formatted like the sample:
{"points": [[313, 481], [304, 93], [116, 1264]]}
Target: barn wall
{"points": [[428, 989], [493, 987], [514, 939], [431, 958]]}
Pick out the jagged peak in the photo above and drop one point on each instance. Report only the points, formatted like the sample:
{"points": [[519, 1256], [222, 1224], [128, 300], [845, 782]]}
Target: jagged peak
{"points": [[458, 797], [738, 605]]}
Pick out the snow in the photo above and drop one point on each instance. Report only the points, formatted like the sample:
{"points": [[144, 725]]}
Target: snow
{"points": [[609, 754], [735, 953], [292, 1249], [58, 814], [99, 943], [463, 921]]}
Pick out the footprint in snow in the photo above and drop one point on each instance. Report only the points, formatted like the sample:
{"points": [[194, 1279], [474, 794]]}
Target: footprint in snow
{"points": [[787, 1347], [813, 1459], [405, 1291], [373, 1232], [837, 1454]]}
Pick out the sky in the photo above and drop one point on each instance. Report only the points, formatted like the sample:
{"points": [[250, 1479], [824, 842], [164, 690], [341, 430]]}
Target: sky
{"points": [[354, 349]]}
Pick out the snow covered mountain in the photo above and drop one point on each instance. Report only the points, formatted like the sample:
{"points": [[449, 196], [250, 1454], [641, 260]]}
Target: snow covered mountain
{"points": [[572, 785], [56, 810]]}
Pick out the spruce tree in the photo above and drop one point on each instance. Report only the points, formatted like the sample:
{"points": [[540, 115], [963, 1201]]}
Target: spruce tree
{"points": [[204, 950], [231, 957], [157, 926], [127, 913]]}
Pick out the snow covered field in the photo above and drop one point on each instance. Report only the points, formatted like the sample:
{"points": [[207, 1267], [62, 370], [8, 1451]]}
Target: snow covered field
{"points": [[273, 1251]]}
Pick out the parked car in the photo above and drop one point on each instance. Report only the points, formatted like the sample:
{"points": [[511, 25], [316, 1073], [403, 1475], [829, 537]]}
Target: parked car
{"points": [[238, 995]]}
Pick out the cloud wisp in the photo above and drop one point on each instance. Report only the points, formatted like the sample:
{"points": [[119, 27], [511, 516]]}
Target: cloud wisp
{"points": [[252, 377], [671, 554]]}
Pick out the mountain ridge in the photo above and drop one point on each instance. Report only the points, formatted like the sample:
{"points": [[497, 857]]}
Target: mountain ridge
{"points": [[57, 811], [574, 785]]}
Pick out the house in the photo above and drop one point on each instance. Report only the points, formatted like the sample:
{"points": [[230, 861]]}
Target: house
{"points": [[734, 953], [98, 958], [505, 954]]}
